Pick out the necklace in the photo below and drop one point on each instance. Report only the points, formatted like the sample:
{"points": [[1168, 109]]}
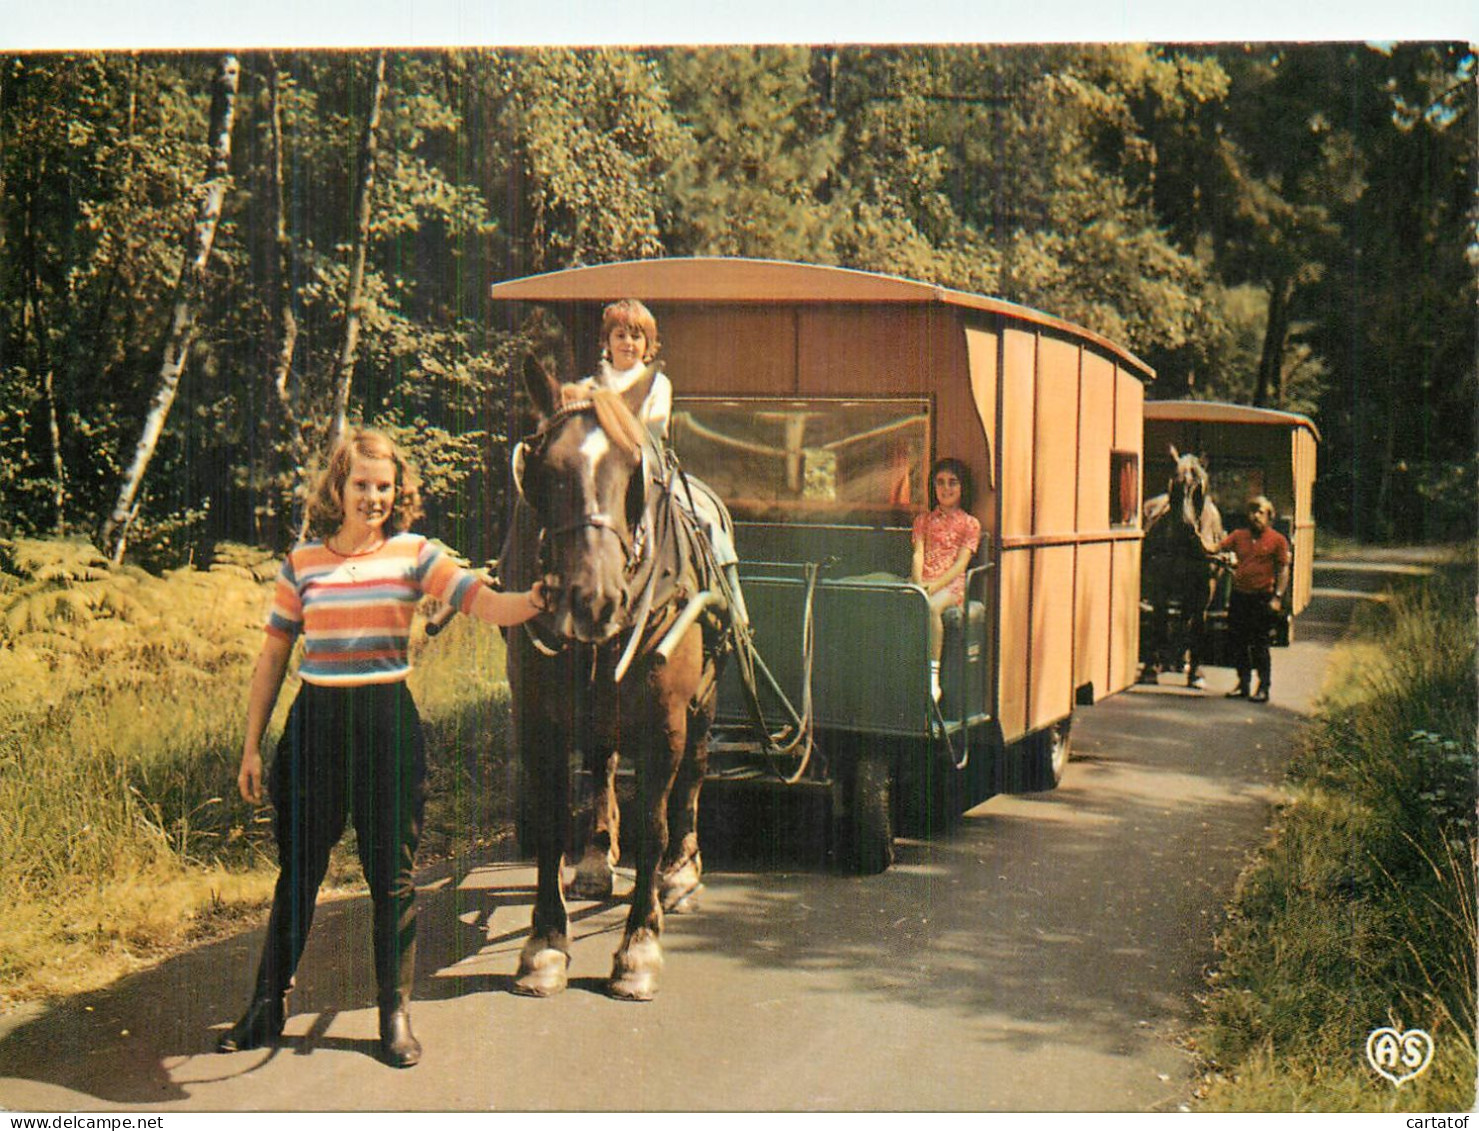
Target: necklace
{"points": [[347, 557]]}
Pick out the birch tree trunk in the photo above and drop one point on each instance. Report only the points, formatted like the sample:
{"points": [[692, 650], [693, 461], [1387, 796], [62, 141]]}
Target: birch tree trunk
{"points": [[285, 322], [354, 298], [343, 375], [182, 325], [58, 467], [289, 429]]}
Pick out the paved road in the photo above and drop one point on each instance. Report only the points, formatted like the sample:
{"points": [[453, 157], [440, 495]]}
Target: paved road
{"points": [[1046, 956]]}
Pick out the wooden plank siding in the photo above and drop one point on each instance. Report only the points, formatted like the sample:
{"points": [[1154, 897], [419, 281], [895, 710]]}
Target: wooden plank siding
{"points": [[1305, 457], [1129, 436], [1070, 579], [1018, 398]]}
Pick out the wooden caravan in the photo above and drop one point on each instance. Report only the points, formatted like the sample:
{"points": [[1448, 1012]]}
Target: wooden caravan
{"points": [[1248, 451], [814, 400]]}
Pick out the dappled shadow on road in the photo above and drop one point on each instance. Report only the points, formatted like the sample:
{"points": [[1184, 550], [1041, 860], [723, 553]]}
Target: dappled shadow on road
{"points": [[1091, 909], [150, 1038]]}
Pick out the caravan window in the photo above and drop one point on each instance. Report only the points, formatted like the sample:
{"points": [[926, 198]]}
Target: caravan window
{"points": [[1124, 488], [818, 460]]}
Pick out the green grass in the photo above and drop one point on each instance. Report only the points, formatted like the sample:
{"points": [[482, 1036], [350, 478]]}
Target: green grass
{"points": [[1361, 912], [122, 712]]}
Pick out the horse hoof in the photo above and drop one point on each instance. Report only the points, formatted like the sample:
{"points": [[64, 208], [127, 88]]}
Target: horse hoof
{"points": [[633, 987], [681, 899], [594, 878], [684, 904], [634, 971], [542, 973], [678, 888]]}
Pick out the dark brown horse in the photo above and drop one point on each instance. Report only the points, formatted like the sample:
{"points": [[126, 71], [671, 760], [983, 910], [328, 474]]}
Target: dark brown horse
{"points": [[1178, 570], [625, 665]]}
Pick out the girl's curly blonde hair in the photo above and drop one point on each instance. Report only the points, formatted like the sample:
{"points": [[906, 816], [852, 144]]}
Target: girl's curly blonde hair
{"points": [[326, 500]]}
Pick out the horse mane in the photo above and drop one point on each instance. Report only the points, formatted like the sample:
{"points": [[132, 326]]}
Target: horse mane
{"points": [[612, 414], [618, 421]]}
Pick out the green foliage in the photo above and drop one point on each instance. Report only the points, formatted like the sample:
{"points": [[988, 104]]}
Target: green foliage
{"points": [[753, 178], [1362, 911], [585, 139], [1276, 223]]}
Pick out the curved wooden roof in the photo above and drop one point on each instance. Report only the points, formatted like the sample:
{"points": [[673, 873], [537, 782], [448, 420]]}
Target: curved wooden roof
{"points": [[1217, 412], [725, 280]]}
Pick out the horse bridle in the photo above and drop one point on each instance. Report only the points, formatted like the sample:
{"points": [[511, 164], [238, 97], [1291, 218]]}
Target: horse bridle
{"points": [[634, 548]]}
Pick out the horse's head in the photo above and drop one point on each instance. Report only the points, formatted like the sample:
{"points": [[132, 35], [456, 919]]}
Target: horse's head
{"points": [[585, 472], [1188, 488]]}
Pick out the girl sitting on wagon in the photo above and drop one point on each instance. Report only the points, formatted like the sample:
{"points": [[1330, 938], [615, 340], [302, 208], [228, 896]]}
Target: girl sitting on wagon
{"points": [[945, 540]]}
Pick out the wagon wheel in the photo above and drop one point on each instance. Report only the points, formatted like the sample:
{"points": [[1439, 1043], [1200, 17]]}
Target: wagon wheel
{"points": [[870, 821], [1042, 756], [931, 793]]}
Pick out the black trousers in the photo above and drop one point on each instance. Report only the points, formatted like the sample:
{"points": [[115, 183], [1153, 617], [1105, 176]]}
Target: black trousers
{"points": [[348, 751], [1249, 622]]}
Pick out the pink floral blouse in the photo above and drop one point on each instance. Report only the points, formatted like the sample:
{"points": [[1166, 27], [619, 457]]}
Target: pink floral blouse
{"points": [[945, 534]]}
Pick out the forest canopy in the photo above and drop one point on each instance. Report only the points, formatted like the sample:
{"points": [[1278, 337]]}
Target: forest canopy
{"points": [[235, 253]]}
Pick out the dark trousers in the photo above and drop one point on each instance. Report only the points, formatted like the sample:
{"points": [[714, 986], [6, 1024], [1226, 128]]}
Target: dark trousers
{"points": [[1249, 621], [348, 751]]}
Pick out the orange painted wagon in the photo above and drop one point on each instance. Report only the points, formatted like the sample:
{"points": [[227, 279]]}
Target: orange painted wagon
{"points": [[1248, 451], [814, 401]]}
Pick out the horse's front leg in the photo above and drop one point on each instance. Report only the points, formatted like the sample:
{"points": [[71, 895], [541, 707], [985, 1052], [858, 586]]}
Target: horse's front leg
{"points": [[1196, 632], [638, 961], [1155, 646], [595, 874], [659, 748], [680, 876], [545, 960]]}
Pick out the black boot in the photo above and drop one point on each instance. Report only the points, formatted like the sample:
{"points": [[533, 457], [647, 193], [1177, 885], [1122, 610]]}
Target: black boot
{"points": [[260, 1024], [399, 1047]]}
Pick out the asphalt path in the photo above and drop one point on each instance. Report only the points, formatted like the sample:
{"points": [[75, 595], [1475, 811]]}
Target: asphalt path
{"points": [[1045, 956]]}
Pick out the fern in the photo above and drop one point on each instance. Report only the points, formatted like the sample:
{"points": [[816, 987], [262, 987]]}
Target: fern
{"points": [[247, 561], [55, 560]]}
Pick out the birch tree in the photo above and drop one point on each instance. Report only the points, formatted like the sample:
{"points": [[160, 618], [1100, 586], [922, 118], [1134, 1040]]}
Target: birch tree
{"points": [[285, 423], [182, 325], [354, 297]]}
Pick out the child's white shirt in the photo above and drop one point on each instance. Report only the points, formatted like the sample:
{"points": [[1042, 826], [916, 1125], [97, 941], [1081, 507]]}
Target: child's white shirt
{"points": [[658, 406]]}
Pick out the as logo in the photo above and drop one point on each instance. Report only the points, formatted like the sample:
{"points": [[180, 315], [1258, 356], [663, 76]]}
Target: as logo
{"points": [[1399, 1056]]}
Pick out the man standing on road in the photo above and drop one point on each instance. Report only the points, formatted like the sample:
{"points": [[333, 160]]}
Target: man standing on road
{"points": [[1260, 588]]}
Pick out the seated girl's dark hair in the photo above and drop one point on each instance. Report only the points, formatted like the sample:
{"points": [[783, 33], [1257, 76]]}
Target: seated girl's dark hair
{"points": [[962, 472]]}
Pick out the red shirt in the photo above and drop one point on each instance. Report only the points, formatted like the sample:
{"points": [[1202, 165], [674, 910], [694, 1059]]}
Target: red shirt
{"points": [[945, 534], [1259, 559]]}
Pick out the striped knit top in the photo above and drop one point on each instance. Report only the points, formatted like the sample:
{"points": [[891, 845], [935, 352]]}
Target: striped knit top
{"points": [[354, 613]]}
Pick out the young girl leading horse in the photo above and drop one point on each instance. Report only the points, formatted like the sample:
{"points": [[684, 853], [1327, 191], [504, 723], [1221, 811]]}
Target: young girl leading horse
{"points": [[353, 742]]}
